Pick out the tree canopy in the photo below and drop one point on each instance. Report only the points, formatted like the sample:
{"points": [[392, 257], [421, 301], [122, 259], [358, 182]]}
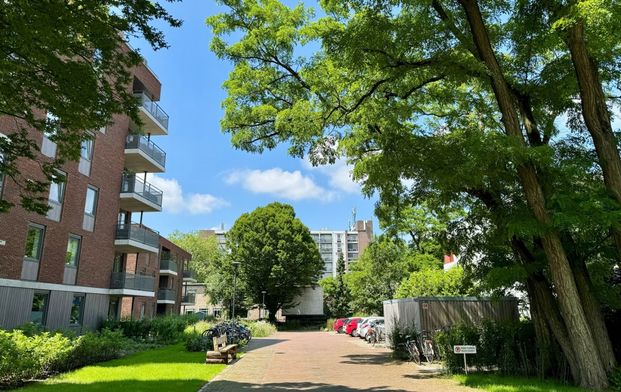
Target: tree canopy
{"points": [[67, 59], [455, 105], [276, 254]]}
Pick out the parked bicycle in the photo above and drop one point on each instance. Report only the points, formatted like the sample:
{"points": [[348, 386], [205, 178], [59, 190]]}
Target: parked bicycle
{"points": [[426, 344], [412, 350], [236, 332]]}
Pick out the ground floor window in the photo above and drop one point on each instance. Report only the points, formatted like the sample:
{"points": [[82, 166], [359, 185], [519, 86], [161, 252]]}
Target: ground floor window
{"points": [[38, 314], [113, 309], [77, 310]]}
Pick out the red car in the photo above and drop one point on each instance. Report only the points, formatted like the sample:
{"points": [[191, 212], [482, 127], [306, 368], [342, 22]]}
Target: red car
{"points": [[352, 324], [339, 325]]}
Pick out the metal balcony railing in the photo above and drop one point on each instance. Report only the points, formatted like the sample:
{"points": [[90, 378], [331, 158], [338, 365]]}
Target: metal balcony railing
{"points": [[132, 184], [138, 233], [166, 295], [147, 146], [125, 280], [153, 108], [189, 298], [167, 263]]}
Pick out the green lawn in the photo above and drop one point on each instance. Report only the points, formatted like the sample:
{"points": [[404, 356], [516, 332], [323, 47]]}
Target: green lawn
{"points": [[164, 369], [493, 383]]}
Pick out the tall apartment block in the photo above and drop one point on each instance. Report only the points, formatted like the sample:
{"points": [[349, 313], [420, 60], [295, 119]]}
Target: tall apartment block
{"points": [[91, 257], [332, 244]]}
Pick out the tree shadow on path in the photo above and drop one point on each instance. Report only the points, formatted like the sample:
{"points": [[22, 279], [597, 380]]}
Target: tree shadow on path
{"points": [[231, 386]]}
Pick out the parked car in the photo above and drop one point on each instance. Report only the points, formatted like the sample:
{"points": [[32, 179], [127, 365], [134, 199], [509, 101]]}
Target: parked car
{"points": [[339, 325], [351, 325], [363, 327]]}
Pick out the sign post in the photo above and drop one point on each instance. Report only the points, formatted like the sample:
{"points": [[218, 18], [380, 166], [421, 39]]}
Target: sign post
{"points": [[465, 349]]}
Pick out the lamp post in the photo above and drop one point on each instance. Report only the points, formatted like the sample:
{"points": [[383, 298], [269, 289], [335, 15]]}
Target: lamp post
{"points": [[235, 267], [263, 305]]}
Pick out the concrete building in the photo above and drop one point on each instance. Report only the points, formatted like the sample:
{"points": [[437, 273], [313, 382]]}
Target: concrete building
{"points": [[331, 243], [91, 257]]}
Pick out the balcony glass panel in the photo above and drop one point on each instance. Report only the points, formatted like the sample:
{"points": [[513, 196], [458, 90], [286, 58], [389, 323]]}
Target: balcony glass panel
{"points": [[147, 146], [132, 184], [166, 295], [138, 233], [125, 280], [167, 263], [189, 298], [154, 109]]}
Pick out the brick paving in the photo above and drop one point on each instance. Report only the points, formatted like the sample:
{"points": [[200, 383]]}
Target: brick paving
{"points": [[321, 361]]}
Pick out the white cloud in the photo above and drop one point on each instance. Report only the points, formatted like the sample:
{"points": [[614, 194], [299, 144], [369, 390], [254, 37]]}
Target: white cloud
{"points": [[175, 201], [339, 175], [291, 185]]}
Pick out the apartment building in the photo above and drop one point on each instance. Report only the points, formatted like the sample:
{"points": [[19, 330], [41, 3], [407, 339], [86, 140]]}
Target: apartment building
{"points": [[91, 257], [332, 244]]}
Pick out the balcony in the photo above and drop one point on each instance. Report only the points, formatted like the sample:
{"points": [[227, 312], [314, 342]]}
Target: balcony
{"points": [[125, 283], [168, 266], [137, 195], [142, 155], [135, 238], [188, 299], [154, 119], [189, 276], [166, 296]]}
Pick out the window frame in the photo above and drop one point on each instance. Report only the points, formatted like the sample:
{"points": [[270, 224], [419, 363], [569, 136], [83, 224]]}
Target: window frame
{"points": [[80, 319], [95, 201], [46, 305], [61, 193], [91, 151], [41, 229], [78, 251]]}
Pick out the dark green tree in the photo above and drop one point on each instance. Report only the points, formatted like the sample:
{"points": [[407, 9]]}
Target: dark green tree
{"points": [[276, 254], [68, 59]]}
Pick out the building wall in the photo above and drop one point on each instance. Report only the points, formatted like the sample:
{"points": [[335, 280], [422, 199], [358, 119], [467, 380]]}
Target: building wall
{"points": [[97, 247], [310, 302]]}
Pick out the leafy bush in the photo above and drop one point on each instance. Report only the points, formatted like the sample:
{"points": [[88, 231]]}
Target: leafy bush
{"points": [[330, 324], [97, 347], [398, 337], [193, 337], [615, 380], [507, 347], [163, 330], [27, 357], [260, 329]]}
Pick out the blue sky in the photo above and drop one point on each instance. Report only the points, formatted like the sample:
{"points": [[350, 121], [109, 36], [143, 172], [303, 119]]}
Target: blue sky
{"points": [[207, 182]]}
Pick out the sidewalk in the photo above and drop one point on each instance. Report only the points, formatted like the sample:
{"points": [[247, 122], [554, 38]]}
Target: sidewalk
{"points": [[323, 361]]}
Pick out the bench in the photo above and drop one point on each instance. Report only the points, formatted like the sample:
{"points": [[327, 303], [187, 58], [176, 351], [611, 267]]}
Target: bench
{"points": [[221, 351]]}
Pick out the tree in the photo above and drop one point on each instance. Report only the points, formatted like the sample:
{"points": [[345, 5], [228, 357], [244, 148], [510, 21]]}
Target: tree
{"points": [[457, 97], [67, 59], [336, 295], [431, 283], [376, 275], [276, 254], [211, 264]]}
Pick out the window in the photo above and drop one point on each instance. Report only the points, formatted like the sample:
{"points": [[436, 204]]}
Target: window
{"points": [[34, 242], [90, 207], [2, 137], [38, 313], [48, 147], [87, 149], [113, 310], [73, 251], [77, 310], [56, 197]]}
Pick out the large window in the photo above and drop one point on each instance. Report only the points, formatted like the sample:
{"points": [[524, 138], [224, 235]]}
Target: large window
{"points": [[90, 207], [77, 310], [38, 313], [34, 242], [87, 149], [73, 251], [56, 197]]}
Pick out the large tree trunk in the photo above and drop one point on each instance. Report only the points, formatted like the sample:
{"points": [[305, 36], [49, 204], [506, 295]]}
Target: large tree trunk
{"points": [[591, 370], [596, 115]]}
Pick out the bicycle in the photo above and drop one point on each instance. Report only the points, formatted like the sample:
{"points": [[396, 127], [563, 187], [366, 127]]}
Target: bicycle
{"points": [[426, 344], [413, 352]]}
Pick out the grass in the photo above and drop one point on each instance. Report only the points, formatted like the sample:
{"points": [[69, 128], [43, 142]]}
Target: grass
{"points": [[164, 369], [495, 383]]}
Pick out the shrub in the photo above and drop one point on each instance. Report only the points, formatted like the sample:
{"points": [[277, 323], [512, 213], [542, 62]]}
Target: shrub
{"points": [[27, 357], [615, 380], [330, 324], [398, 337], [260, 329], [193, 337], [507, 347], [162, 330], [97, 347]]}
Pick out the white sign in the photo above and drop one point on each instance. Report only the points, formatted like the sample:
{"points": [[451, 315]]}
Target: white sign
{"points": [[465, 349], [2, 242]]}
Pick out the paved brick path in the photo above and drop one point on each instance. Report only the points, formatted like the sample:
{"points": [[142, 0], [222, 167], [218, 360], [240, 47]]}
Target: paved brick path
{"points": [[320, 361]]}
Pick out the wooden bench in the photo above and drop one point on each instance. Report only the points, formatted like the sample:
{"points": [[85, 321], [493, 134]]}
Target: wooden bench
{"points": [[221, 351]]}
